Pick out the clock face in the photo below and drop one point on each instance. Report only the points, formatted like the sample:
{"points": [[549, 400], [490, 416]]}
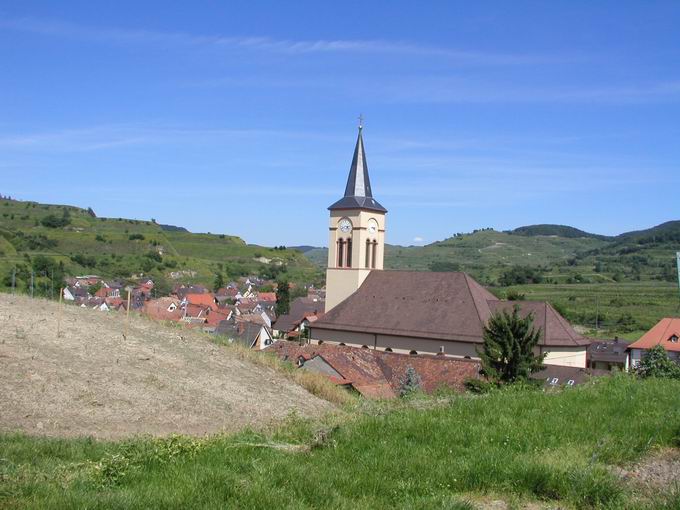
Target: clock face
{"points": [[372, 227], [345, 225]]}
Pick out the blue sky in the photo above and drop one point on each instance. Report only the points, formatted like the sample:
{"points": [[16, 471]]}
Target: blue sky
{"points": [[240, 117]]}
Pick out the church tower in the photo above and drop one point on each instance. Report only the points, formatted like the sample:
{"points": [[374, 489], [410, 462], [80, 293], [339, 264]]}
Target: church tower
{"points": [[356, 243]]}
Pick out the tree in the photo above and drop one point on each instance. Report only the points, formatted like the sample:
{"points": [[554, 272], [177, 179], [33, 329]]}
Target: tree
{"points": [[410, 383], [508, 351], [282, 297], [219, 282], [656, 363]]}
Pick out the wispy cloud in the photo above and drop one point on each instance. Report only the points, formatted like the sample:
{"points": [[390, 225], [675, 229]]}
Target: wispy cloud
{"points": [[268, 44], [442, 89]]}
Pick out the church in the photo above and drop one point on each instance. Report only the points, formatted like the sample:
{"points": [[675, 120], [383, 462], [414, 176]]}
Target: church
{"points": [[412, 312]]}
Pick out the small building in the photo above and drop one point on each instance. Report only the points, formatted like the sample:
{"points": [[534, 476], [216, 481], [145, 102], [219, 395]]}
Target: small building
{"points": [[248, 334], [665, 333], [607, 355], [376, 374]]}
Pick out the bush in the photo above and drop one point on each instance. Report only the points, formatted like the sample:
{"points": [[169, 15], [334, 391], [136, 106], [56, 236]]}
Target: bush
{"points": [[479, 386], [410, 383], [656, 363], [136, 237]]}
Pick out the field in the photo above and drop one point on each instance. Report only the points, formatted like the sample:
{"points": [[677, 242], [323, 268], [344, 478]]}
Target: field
{"points": [[89, 380], [625, 309], [514, 449]]}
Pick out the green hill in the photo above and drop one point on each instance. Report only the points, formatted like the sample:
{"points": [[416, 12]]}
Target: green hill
{"points": [[55, 239], [555, 230]]}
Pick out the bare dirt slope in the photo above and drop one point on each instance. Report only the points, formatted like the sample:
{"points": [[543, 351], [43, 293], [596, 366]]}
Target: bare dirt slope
{"points": [[160, 380]]}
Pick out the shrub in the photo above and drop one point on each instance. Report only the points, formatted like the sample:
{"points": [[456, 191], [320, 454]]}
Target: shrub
{"points": [[136, 237], [410, 383], [656, 363]]}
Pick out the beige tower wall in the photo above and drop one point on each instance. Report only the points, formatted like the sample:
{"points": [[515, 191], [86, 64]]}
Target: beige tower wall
{"points": [[341, 282]]}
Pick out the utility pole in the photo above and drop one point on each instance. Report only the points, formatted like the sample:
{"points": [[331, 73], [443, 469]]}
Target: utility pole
{"points": [[14, 279]]}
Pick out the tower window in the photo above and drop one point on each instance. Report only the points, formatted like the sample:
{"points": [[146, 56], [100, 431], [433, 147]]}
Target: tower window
{"points": [[375, 249], [368, 254], [341, 246], [349, 252]]}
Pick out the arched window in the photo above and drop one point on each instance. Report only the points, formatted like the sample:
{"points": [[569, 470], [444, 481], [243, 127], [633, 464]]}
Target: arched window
{"points": [[388, 349], [413, 353], [319, 342], [368, 254], [373, 251], [341, 246], [342, 344], [364, 346], [349, 252]]}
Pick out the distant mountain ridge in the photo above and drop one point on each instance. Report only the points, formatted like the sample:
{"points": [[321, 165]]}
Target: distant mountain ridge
{"points": [[555, 230]]}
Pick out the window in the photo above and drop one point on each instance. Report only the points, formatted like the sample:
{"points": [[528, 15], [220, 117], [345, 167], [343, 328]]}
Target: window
{"points": [[674, 339], [342, 344], [341, 246], [368, 254], [388, 349], [554, 381], [364, 346], [570, 382], [375, 249], [349, 252], [413, 353]]}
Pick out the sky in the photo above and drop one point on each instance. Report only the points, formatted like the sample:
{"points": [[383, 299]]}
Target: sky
{"points": [[241, 117]]}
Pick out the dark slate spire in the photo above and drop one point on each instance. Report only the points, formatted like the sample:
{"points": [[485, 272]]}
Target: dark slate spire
{"points": [[358, 193]]}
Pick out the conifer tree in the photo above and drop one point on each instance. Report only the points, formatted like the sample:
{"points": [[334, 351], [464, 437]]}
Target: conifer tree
{"points": [[282, 297], [508, 351]]}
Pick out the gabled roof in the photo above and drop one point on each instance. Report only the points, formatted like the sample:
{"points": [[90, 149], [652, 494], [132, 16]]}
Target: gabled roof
{"points": [[444, 306], [244, 333], [358, 194], [661, 334], [378, 374]]}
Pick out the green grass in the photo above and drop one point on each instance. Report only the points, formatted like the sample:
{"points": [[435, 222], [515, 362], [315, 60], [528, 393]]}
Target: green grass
{"points": [[514, 445]]}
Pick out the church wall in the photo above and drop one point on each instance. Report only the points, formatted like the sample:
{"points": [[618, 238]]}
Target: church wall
{"points": [[561, 356], [565, 356]]}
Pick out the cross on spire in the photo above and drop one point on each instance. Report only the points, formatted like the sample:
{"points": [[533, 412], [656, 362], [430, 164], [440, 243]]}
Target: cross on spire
{"points": [[361, 121]]}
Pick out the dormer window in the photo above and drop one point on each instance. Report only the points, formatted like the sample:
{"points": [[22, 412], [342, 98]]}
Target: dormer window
{"points": [[673, 338]]}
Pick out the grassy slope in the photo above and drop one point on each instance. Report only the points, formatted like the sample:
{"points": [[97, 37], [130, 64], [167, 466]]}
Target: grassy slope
{"points": [[516, 444], [197, 252]]}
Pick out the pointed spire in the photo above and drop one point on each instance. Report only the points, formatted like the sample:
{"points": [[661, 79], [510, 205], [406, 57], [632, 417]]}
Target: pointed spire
{"points": [[358, 194]]}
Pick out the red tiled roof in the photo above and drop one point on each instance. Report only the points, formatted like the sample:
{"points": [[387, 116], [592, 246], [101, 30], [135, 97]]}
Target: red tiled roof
{"points": [[215, 317], [205, 300], [378, 374], [661, 334], [157, 309], [267, 296]]}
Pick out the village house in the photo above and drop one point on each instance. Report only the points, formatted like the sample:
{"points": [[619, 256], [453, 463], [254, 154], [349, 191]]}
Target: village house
{"points": [[607, 355], [246, 333], [665, 333], [288, 325], [377, 374], [407, 311]]}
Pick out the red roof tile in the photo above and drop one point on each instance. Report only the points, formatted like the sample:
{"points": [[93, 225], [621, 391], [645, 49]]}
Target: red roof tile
{"points": [[661, 334]]}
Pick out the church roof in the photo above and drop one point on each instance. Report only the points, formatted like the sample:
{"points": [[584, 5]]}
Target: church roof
{"points": [[358, 194], [444, 306]]}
